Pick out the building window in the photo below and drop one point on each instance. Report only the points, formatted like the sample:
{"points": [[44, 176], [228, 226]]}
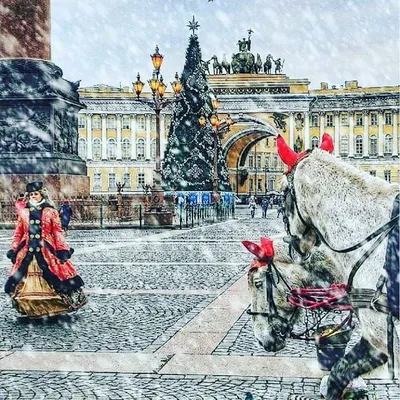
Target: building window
{"points": [[344, 119], [344, 146], [251, 185], [267, 161], [314, 120], [329, 120], [153, 123], [112, 181], [373, 146], [388, 144], [359, 119], [372, 172], [127, 179], [96, 181], [82, 148], [126, 149], [388, 176], [251, 161], [259, 185], [259, 162], [140, 149], [125, 123], [314, 142], [374, 119], [153, 149], [96, 123], [112, 149], [140, 182], [141, 123], [275, 161], [96, 149], [359, 145], [388, 118], [271, 184], [110, 123], [81, 122]]}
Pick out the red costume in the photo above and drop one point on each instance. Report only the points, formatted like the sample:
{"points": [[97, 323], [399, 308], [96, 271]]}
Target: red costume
{"points": [[42, 280]]}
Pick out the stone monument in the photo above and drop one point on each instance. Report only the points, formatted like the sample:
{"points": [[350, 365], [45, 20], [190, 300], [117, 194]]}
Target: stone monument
{"points": [[38, 108]]}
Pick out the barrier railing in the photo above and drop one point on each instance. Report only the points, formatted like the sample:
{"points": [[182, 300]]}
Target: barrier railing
{"points": [[109, 214]]}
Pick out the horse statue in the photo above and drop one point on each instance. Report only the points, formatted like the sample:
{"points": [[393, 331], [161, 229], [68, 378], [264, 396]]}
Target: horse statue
{"points": [[226, 65], [270, 327], [352, 210], [242, 63], [268, 64], [217, 67], [205, 66], [258, 64]]}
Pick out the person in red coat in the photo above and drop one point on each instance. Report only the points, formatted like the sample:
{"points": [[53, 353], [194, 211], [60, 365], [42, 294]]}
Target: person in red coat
{"points": [[42, 281]]}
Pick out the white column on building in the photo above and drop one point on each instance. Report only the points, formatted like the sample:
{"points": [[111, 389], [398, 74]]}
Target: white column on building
{"points": [[104, 136], [89, 139], [306, 130], [119, 137], [291, 129], [395, 143], [162, 136], [148, 137], [351, 133], [321, 124], [381, 139], [133, 136], [337, 133], [365, 135]]}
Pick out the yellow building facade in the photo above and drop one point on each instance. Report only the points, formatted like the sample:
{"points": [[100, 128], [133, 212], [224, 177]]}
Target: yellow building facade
{"points": [[117, 132]]}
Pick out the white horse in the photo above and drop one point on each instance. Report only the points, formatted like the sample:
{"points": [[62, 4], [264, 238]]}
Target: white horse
{"points": [[327, 199], [271, 327]]}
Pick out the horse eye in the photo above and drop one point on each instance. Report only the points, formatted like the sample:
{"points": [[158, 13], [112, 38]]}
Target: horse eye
{"points": [[258, 284]]}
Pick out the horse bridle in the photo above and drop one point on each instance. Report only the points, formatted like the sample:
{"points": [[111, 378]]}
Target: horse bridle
{"points": [[274, 319]]}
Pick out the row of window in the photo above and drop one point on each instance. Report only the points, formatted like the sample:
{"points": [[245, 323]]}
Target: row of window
{"points": [[270, 161], [262, 185], [112, 124], [112, 181], [112, 149], [386, 174], [359, 145], [359, 120]]}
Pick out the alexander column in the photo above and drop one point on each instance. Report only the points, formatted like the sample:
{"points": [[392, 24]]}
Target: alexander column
{"points": [[38, 108]]}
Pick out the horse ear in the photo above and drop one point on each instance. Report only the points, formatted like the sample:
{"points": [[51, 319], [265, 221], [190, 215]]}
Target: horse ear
{"points": [[287, 155], [254, 248], [327, 143], [267, 246]]}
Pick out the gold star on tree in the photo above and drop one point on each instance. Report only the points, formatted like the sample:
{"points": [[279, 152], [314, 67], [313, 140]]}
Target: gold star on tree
{"points": [[193, 25]]}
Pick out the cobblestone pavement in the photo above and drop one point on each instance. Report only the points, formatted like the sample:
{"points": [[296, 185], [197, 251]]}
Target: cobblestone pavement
{"points": [[144, 288]]}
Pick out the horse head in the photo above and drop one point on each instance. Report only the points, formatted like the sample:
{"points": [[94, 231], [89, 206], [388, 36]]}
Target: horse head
{"points": [[303, 236], [273, 316]]}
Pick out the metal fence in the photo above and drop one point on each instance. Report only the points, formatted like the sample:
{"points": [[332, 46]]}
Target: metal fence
{"points": [[95, 214]]}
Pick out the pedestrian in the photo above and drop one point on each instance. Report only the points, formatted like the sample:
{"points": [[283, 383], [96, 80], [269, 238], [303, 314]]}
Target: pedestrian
{"points": [[280, 209], [20, 203], [65, 212], [252, 206], [42, 281], [264, 206]]}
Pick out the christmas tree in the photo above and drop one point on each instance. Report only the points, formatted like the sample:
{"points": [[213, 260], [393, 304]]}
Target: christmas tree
{"points": [[189, 155]]}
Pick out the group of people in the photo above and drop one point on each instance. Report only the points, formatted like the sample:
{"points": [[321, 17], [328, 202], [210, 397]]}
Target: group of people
{"points": [[265, 204], [42, 280]]}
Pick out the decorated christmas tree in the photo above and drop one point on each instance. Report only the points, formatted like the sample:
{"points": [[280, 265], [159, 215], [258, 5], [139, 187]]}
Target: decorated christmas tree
{"points": [[189, 155]]}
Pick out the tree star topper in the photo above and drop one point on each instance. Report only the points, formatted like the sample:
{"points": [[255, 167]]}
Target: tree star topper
{"points": [[193, 25]]}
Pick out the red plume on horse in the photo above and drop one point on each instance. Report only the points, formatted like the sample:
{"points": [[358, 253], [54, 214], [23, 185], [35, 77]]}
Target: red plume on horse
{"points": [[291, 158]]}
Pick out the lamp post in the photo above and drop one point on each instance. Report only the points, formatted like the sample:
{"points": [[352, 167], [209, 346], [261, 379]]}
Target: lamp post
{"points": [[220, 127], [158, 88]]}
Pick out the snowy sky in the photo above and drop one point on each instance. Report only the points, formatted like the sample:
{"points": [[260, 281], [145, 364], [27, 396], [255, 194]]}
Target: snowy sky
{"points": [[104, 41]]}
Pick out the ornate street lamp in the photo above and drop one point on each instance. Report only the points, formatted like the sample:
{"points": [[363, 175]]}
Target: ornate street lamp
{"points": [[219, 129], [158, 87]]}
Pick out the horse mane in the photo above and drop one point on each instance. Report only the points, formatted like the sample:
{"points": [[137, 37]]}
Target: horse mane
{"points": [[358, 177]]}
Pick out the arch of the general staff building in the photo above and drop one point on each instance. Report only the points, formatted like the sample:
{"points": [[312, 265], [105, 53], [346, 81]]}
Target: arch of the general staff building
{"points": [[237, 146]]}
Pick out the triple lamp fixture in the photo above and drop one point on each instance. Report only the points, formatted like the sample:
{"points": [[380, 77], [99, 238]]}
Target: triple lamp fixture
{"points": [[214, 120]]}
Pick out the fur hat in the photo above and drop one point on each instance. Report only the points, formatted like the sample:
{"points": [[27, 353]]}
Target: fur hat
{"points": [[34, 186]]}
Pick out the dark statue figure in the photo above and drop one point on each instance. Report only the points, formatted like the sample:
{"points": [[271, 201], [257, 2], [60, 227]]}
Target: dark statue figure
{"points": [[279, 120], [298, 145], [278, 65], [268, 64], [244, 61]]}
